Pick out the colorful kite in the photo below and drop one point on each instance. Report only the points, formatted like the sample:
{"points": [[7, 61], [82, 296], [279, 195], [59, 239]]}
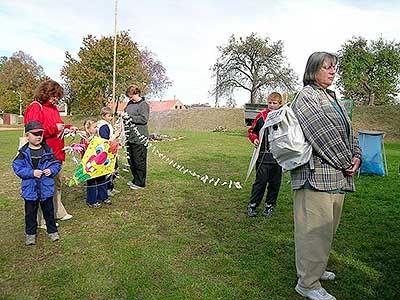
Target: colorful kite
{"points": [[99, 159]]}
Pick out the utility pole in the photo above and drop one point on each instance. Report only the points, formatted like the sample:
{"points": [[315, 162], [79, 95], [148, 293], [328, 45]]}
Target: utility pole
{"points": [[20, 102], [217, 86], [115, 52]]}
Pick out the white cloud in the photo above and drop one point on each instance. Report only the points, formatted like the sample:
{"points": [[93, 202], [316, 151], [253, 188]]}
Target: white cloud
{"points": [[185, 34]]}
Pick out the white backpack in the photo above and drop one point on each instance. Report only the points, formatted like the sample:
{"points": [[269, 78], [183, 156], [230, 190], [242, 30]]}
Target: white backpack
{"points": [[287, 142]]}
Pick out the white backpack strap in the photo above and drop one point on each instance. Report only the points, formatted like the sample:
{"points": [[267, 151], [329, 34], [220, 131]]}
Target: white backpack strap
{"points": [[311, 161], [40, 104]]}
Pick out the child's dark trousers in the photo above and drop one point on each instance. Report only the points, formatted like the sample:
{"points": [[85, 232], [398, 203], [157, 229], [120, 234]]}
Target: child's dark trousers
{"points": [[270, 174], [31, 208]]}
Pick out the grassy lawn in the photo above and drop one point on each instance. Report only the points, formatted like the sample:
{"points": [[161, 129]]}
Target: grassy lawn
{"points": [[182, 239]]}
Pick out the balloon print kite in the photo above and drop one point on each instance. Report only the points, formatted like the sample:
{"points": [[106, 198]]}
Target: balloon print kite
{"points": [[99, 159]]}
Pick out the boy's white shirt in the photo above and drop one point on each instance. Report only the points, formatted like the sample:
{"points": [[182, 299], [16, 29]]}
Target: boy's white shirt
{"points": [[104, 122]]}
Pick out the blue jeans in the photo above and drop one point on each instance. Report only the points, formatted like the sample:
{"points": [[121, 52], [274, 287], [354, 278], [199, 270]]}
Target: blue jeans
{"points": [[96, 190]]}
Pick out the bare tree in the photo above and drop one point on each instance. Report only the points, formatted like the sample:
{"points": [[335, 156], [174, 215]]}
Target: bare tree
{"points": [[254, 64]]}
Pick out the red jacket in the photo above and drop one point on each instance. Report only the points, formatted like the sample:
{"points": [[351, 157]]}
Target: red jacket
{"points": [[47, 114], [252, 136]]}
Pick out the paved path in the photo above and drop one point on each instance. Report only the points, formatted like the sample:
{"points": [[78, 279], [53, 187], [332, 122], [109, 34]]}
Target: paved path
{"points": [[9, 128]]}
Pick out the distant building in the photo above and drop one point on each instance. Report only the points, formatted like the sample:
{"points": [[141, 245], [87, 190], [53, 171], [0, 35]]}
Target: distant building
{"points": [[166, 105]]}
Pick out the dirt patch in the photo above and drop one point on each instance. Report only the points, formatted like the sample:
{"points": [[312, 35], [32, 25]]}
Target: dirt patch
{"points": [[154, 137], [198, 119]]}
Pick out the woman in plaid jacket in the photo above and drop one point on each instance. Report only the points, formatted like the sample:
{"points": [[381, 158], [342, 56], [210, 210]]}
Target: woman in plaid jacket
{"points": [[319, 186]]}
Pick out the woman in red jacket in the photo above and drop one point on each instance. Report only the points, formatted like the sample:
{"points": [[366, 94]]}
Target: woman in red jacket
{"points": [[44, 110]]}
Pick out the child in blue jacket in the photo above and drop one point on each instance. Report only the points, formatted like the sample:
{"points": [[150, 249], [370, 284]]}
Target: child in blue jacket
{"points": [[36, 165]]}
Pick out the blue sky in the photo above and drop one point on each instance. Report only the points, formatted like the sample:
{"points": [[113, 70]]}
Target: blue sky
{"points": [[185, 34]]}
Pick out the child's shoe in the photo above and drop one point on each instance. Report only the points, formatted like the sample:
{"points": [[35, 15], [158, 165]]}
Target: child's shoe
{"points": [[30, 239], [251, 211], [107, 201], [268, 211], [94, 205], [54, 236]]}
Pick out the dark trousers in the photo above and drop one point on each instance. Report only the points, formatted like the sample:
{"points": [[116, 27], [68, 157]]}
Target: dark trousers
{"points": [[137, 162], [31, 209], [111, 177], [266, 174], [96, 190]]}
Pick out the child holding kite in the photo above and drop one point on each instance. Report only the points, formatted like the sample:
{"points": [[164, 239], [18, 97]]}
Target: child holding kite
{"points": [[36, 165], [96, 188], [106, 131]]}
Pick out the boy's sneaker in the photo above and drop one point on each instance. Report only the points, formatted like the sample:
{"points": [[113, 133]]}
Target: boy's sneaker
{"points": [[251, 211], [328, 276], [268, 211], [54, 236], [94, 205], [66, 217], [319, 294], [107, 201], [134, 186], [30, 239], [112, 192]]}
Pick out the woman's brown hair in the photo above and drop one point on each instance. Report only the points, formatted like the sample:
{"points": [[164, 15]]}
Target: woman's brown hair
{"points": [[48, 89]]}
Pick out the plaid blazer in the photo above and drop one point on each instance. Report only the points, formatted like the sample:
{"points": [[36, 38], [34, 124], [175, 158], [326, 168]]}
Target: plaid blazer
{"points": [[331, 138]]}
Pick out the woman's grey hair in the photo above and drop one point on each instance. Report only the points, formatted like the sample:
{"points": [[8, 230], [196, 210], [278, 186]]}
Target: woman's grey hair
{"points": [[314, 64]]}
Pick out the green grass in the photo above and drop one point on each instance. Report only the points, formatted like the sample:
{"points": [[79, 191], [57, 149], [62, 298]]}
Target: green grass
{"points": [[182, 239]]}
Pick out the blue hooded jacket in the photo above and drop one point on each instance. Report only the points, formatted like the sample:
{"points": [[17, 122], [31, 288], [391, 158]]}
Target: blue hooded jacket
{"points": [[33, 188]]}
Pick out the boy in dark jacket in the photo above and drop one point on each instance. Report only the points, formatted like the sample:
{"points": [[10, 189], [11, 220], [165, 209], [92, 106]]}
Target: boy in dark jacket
{"points": [[36, 165], [268, 172]]}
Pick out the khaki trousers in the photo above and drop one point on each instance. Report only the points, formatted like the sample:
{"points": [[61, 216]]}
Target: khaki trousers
{"points": [[59, 209], [316, 219]]}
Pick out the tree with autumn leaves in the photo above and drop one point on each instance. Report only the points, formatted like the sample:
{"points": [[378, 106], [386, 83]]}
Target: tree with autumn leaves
{"points": [[88, 78], [19, 76]]}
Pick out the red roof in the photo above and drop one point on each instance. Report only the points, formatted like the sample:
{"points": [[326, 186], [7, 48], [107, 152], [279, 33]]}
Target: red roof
{"points": [[166, 105], [158, 105]]}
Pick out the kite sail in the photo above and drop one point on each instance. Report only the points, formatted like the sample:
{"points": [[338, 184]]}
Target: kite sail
{"points": [[99, 159]]}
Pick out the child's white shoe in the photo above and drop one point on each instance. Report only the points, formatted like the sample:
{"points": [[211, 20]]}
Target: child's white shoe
{"points": [[30, 239], [54, 236]]}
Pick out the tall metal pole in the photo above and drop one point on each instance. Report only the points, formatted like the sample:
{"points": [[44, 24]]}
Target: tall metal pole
{"points": [[20, 104], [115, 51], [217, 87]]}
